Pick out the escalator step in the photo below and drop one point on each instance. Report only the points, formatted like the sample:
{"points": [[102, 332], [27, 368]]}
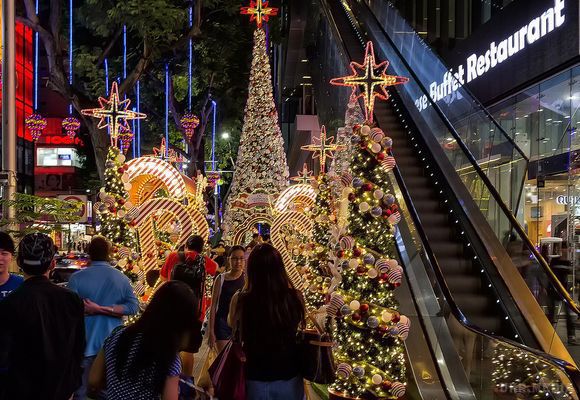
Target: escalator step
{"points": [[424, 205], [411, 170], [445, 249], [455, 266], [463, 284], [473, 304]]}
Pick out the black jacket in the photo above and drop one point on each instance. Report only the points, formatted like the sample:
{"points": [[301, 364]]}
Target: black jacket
{"points": [[42, 342]]}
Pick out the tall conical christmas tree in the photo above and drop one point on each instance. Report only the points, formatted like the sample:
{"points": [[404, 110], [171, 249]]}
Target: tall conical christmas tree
{"points": [[261, 164], [369, 330]]}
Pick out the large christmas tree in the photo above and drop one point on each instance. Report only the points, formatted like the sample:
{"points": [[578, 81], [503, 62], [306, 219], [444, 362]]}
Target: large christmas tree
{"points": [[369, 330], [261, 164]]}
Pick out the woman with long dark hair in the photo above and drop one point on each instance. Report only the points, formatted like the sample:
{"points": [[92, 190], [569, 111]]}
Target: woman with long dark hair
{"points": [[267, 312], [141, 361], [226, 284]]}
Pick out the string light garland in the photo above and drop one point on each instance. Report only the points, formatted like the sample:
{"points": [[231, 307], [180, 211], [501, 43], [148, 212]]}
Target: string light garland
{"points": [[259, 11], [371, 78], [113, 113], [323, 148]]}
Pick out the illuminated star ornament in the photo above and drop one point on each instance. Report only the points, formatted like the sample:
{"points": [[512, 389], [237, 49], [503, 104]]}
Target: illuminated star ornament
{"points": [[371, 78], [304, 177], [172, 155], [323, 149], [259, 11], [114, 114]]}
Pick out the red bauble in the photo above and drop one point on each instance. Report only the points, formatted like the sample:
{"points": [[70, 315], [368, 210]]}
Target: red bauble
{"points": [[396, 284], [355, 316], [356, 252], [385, 210], [351, 197], [388, 212], [340, 253], [394, 207], [386, 385], [396, 317], [356, 127], [120, 170], [381, 156], [113, 209], [383, 329], [367, 187], [121, 201], [364, 308], [125, 167], [361, 270], [114, 249], [384, 276]]}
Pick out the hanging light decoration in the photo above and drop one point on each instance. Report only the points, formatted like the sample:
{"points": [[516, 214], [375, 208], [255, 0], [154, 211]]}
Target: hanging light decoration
{"points": [[189, 122], [125, 138], [71, 125], [35, 123]]}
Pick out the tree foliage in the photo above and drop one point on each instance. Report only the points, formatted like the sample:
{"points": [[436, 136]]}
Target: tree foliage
{"points": [[38, 214], [158, 33]]}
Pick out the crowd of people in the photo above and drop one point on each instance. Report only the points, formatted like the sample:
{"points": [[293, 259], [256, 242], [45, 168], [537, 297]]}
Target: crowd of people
{"points": [[60, 343]]}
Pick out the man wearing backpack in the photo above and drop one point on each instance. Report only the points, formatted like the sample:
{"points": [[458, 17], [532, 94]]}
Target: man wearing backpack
{"points": [[191, 267]]}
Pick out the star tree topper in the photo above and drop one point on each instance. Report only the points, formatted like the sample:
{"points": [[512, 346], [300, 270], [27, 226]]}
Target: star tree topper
{"points": [[113, 113], [371, 78], [304, 177], [259, 11], [323, 149]]}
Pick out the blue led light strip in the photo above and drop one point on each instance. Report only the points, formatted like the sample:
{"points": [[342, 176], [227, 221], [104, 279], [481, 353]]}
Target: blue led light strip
{"points": [[166, 111], [70, 50], [213, 136], [124, 51], [36, 65], [106, 76], [190, 57], [138, 120], [134, 121]]}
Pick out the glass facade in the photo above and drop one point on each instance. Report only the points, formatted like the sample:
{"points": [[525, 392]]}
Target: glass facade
{"points": [[542, 120]]}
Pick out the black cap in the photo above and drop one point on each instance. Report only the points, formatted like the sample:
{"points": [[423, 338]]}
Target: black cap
{"points": [[35, 253]]}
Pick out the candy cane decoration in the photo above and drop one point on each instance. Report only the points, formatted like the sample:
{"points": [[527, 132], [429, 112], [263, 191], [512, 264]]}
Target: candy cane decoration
{"points": [[301, 193], [249, 224], [144, 169], [300, 222]]}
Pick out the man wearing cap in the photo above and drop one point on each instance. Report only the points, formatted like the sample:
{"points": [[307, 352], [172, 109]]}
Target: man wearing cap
{"points": [[108, 297], [42, 334], [8, 282]]}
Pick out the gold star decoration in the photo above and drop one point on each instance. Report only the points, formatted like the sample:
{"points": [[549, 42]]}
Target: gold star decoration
{"points": [[371, 78], [323, 149], [304, 177], [113, 113], [259, 11]]}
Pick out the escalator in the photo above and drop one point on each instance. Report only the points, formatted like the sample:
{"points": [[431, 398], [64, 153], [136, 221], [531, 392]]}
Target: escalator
{"points": [[469, 282]]}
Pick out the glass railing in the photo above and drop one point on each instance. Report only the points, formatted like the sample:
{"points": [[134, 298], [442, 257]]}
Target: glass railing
{"points": [[491, 367]]}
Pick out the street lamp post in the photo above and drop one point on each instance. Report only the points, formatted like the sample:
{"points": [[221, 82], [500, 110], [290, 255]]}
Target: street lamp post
{"points": [[8, 176]]}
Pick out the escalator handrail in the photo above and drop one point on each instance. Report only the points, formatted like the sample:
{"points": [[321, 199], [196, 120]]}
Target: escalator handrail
{"points": [[563, 293], [570, 370]]}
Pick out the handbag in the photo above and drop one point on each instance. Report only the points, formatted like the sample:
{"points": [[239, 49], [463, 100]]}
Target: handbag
{"points": [[316, 359], [228, 372]]}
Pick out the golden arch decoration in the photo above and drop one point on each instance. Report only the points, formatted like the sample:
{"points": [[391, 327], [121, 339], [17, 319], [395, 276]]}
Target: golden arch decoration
{"points": [[149, 174], [295, 197]]}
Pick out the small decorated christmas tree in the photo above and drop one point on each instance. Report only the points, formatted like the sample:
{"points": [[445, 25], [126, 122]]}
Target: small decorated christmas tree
{"points": [[116, 212], [369, 330]]}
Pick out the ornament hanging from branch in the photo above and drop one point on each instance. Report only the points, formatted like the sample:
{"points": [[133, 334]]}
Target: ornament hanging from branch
{"points": [[35, 123], [371, 79], [259, 11], [71, 125], [188, 123], [113, 113], [125, 138]]}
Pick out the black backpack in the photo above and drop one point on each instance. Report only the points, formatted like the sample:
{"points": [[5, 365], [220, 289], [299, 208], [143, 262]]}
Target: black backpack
{"points": [[192, 272]]}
